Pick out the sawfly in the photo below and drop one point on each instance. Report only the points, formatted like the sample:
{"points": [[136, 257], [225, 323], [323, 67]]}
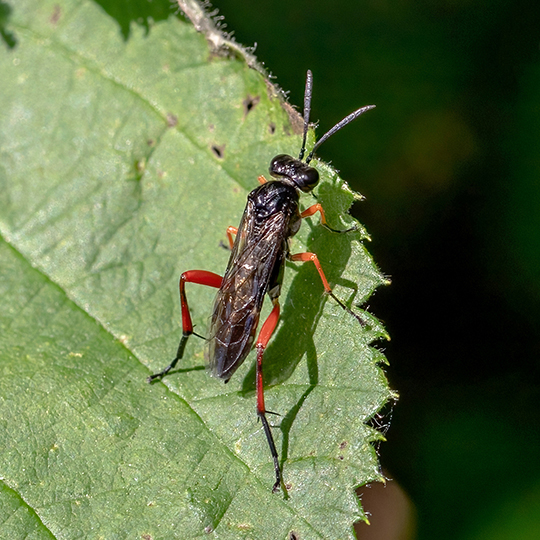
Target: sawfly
{"points": [[256, 265]]}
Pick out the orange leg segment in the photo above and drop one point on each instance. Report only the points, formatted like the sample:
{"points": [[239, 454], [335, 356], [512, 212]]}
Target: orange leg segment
{"points": [[264, 337], [307, 257], [202, 277], [313, 210], [318, 208], [230, 232]]}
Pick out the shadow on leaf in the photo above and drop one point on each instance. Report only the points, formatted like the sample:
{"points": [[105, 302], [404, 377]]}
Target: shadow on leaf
{"points": [[141, 12], [8, 37]]}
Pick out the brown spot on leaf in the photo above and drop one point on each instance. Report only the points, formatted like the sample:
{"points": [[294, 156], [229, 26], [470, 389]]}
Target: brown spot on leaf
{"points": [[56, 14], [297, 121], [172, 120]]}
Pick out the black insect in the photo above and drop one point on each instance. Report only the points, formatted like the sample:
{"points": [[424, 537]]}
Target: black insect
{"points": [[256, 267]]}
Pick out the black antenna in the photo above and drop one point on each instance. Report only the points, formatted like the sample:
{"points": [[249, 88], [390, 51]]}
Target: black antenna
{"points": [[347, 120], [307, 110]]}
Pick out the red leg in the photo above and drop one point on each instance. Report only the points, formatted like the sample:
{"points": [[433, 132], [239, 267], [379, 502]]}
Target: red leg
{"points": [[262, 179], [202, 277], [264, 337], [230, 232], [306, 257]]}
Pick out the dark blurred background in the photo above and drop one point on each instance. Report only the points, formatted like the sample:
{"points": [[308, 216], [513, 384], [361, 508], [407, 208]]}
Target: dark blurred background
{"points": [[449, 163]]}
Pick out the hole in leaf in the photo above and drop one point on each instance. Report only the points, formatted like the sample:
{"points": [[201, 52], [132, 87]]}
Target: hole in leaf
{"points": [[218, 151], [250, 103]]}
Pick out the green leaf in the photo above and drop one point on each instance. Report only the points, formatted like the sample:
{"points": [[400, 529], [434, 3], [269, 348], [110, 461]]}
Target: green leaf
{"points": [[123, 158]]}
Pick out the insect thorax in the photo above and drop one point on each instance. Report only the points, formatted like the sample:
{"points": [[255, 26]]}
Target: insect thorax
{"points": [[274, 197]]}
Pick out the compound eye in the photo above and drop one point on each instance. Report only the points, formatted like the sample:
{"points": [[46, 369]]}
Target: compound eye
{"points": [[308, 180]]}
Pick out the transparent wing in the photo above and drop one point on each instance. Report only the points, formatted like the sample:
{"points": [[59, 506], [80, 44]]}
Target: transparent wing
{"points": [[257, 250]]}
